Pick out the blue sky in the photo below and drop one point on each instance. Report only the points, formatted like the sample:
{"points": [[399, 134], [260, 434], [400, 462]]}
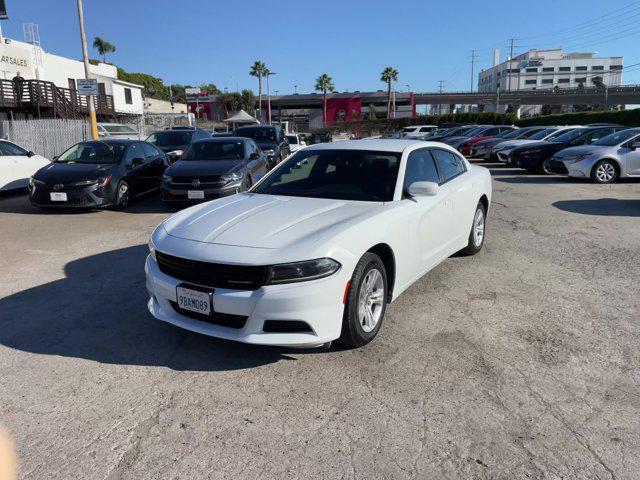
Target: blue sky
{"points": [[201, 41]]}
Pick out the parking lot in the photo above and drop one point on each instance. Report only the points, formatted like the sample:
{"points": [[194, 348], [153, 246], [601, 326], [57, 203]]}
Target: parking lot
{"points": [[520, 362]]}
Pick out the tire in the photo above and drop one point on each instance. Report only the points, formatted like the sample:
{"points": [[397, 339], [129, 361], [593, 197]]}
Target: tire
{"points": [[604, 171], [478, 231], [358, 327], [123, 195], [546, 167]]}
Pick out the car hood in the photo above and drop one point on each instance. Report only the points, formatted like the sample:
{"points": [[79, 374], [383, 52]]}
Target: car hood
{"points": [[267, 145], [72, 172], [545, 146], [186, 168], [267, 221], [488, 142], [516, 143], [455, 139], [582, 150]]}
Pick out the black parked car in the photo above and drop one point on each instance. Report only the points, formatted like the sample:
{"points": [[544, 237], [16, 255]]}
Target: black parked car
{"points": [[271, 140], [534, 157], [440, 135], [175, 142], [98, 174], [214, 168]]}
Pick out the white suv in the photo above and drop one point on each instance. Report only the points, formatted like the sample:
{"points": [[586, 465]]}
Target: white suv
{"points": [[418, 131]]}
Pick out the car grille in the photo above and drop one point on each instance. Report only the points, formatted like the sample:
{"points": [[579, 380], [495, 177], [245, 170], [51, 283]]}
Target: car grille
{"points": [[556, 166], [219, 275], [222, 319], [205, 180], [76, 198]]}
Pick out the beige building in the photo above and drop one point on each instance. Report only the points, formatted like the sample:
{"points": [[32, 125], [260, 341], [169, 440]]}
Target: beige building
{"points": [[152, 106]]}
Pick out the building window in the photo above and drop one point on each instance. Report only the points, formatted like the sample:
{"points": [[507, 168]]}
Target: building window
{"points": [[597, 67], [548, 69], [565, 69], [532, 70], [530, 82], [547, 80], [127, 96], [581, 69], [616, 67], [564, 80]]}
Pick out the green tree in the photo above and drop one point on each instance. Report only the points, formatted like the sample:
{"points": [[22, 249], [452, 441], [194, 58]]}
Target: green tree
{"points": [[248, 101], [389, 75], [210, 88], [324, 84], [103, 48], [598, 82], [259, 70]]}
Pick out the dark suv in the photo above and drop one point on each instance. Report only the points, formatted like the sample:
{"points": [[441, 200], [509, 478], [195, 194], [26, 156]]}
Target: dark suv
{"points": [[175, 142], [270, 138]]}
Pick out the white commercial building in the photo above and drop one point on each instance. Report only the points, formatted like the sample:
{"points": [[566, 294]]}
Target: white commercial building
{"points": [[540, 69], [33, 63]]}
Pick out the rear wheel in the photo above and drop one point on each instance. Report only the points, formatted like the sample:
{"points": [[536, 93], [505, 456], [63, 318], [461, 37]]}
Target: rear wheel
{"points": [[605, 171], [366, 302], [478, 230]]}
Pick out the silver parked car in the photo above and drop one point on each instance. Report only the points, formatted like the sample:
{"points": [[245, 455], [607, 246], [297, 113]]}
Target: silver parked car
{"points": [[612, 157]]}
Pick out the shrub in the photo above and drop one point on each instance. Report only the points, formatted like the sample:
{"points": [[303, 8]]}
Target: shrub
{"points": [[629, 118]]}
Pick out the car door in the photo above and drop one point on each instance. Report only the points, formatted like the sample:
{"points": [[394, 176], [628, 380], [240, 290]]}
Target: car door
{"points": [[155, 158], [429, 217], [138, 168], [17, 165], [631, 157], [453, 173]]}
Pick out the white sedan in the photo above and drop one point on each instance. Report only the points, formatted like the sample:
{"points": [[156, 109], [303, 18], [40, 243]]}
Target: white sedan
{"points": [[316, 250], [17, 165]]}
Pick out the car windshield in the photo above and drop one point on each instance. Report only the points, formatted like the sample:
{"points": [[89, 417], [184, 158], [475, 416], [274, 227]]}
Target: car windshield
{"points": [[363, 175], [118, 129], [617, 138], [409, 129], [570, 135], [233, 150], [293, 139], [258, 134], [93, 153], [170, 139], [543, 134], [509, 134]]}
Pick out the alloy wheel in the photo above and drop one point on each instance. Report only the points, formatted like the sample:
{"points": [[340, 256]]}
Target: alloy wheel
{"points": [[478, 227], [123, 194], [605, 172], [370, 300]]}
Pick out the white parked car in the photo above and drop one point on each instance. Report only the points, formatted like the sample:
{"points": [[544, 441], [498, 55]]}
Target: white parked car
{"points": [[418, 131], [317, 249], [295, 142], [117, 130], [17, 165]]}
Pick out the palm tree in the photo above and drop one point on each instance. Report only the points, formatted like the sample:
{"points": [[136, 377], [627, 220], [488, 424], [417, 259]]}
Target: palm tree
{"points": [[389, 75], [259, 70], [324, 85], [103, 48]]}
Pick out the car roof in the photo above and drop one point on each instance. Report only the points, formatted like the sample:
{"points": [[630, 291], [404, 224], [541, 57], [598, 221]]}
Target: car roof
{"points": [[222, 139], [382, 145], [255, 127], [114, 140]]}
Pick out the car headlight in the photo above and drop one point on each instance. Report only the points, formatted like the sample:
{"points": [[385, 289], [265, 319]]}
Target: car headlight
{"points": [[177, 153], [575, 158], [152, 248], [231, 177], [34, 183], [167, 178], [301, 271]]}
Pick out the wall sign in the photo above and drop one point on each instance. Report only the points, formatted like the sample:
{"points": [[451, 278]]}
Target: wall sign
{"points": [[87, 86]]}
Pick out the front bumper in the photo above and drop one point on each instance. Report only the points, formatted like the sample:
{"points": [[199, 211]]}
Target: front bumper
{"points": [[557, 167], [91, 196], [180, 194], [317, 303], [504, 157]]}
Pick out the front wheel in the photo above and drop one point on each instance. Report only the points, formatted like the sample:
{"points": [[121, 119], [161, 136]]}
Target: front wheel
{"points": [[123, 195], [478, 230], [366, 302], [604, 172]]}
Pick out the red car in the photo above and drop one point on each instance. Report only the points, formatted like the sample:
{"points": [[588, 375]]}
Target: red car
{"points": [[465, 148]]}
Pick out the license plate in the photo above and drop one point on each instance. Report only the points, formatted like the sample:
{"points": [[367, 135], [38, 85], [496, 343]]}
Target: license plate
{"points": [[58, 196], [193, 300], [195, 194]]}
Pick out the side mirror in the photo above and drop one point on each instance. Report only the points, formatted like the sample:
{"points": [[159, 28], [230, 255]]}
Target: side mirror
{"points": [[30, 153], [424, 189], [254, 156], [136, 162]]}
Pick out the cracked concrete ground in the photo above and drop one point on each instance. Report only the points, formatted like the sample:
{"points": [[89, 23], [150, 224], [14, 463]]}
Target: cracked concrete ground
{"points": [[521, 362]]}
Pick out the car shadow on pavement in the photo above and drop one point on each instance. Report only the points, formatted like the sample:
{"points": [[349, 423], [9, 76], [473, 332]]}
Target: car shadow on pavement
{"points": [[99, 312], [539, 180], [611, 207], [18, 202]]}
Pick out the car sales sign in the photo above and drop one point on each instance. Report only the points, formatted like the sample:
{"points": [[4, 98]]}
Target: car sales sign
{"points": [[87, 86]]}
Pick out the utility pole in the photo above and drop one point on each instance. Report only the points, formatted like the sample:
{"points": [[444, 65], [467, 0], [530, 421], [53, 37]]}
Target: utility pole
{"points": [[85, 58], [473, 63], [269, 96], [440, 90], [510, 65]]}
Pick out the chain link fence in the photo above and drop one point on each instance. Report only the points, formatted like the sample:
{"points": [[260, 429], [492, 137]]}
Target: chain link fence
{"points": [[46, 137]]}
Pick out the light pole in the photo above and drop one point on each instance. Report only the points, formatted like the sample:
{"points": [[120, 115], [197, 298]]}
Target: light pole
{"points": [[85, 58], [269, 96], [408, 88]]}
